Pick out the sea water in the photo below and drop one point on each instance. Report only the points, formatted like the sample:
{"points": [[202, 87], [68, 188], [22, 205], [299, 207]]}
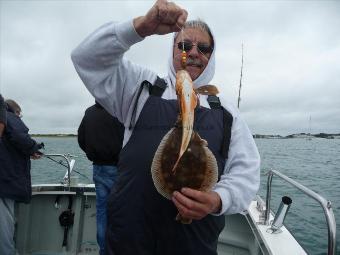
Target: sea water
{"points": [[314, 163]]}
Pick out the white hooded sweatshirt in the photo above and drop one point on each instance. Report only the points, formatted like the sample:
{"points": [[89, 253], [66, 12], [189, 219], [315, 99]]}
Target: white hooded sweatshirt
{"points": [[114, 81]]}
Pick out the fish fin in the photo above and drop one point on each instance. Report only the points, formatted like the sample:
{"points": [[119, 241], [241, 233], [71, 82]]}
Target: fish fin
{"points": [[212, 171], [156, 166], [210, 90]]}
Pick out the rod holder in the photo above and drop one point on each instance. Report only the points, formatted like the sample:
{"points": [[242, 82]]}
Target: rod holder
{"points": [[281, 214]]}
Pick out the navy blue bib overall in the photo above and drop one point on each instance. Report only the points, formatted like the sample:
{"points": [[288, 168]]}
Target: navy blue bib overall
{"points": [[140, 220]]}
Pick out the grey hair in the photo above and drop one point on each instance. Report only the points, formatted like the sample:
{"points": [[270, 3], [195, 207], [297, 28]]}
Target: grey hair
{"points": [[199, 24], [14, 106]]}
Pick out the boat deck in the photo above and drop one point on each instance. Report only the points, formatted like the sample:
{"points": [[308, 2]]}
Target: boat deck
{"points": [[39, 231]]}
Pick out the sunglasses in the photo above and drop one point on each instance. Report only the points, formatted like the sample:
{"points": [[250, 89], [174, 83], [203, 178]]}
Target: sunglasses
{"points": [[204, 48]]}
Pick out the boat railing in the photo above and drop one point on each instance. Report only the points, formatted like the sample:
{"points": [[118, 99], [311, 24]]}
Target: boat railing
{"points": [[69, 165], [326, 206]]}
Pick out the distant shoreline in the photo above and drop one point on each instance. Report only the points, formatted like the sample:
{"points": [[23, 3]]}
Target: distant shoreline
{"points": [[300, 135], [54, 135]]}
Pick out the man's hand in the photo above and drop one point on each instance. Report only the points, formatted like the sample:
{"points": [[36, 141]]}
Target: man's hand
{"points": [[163, 18], [36, 155], [194, 204]]}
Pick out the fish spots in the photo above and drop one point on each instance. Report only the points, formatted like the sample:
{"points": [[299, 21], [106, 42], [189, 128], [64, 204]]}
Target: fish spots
{"points": [[193, 169]]}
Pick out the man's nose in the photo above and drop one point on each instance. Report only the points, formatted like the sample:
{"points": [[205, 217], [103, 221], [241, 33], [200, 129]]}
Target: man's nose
{"points": [[193, 51]]}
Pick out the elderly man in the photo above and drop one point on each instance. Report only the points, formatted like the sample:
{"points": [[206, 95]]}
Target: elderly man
{"points": [[140, 220]]}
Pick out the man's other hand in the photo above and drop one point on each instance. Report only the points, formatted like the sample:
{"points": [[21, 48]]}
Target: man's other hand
{"points": [[194, 204], [36, 155]]}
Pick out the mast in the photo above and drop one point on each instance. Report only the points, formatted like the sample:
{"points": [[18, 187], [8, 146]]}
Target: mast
{"points": [[239, 89]]}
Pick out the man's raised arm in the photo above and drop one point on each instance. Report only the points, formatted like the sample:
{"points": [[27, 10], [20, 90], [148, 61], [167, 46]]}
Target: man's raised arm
{"points": [[99, 60]]}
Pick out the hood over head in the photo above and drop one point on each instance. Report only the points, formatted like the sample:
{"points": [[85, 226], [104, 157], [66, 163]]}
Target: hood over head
{"points": [[205, 77]]}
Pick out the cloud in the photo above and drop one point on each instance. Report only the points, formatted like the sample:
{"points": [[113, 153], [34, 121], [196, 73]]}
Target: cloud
{"points": [[291, 62]]}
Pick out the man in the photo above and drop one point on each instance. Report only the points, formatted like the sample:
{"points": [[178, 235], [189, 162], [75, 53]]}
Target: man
{"points": [[100, 136], [140, 220], [16, 148]]}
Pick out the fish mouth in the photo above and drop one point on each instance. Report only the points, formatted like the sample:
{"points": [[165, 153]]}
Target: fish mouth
{"points": [[187, 103]]}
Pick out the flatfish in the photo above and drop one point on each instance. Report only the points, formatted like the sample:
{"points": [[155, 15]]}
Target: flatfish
{"points": [[183, 158]]}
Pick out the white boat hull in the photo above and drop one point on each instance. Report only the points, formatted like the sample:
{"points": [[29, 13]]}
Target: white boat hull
{"points": [[39, 231]]}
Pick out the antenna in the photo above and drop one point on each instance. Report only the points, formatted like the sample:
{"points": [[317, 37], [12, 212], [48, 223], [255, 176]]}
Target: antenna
{"points": [[239, 89]]}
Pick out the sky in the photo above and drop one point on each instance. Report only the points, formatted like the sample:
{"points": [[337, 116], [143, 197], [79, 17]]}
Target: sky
{"points": [[291, 69]]}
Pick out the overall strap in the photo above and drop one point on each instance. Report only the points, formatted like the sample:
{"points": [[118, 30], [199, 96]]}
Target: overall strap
{"points": [[154, 90], [158, 88], [215, 103]]}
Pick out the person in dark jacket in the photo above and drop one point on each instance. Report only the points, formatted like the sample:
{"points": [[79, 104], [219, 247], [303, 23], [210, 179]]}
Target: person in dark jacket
{"points": [[100, 136], [16, 148]]}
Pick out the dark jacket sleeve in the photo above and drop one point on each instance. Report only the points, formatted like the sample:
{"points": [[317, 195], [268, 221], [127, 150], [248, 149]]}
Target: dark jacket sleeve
{"points": [[81, 135], [3, 118], [3, 115], [17, 134]]}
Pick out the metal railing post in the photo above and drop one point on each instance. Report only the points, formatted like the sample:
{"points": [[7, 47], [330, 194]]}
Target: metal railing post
{"points": [[326, 206], [268, 197], [68, 166]]}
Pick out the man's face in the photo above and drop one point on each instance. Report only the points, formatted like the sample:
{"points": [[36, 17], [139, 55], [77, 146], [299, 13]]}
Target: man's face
{"points": [[197, 59]]}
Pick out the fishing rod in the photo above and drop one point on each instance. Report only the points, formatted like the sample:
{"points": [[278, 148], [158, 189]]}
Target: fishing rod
{"points": [[239, 89], [60, 162]]}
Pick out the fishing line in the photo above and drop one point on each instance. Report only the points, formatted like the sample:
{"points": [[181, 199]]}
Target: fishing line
{"points": [[60, 162], [182, 33], [81, 174]]}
